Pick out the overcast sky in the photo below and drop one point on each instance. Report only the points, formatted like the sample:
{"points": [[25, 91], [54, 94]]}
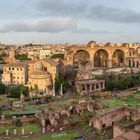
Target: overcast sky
{"points": [[69, 21]]}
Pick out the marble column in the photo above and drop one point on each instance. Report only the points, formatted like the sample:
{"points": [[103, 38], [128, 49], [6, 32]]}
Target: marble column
{"points": [[7, 132], [15, 131], [109, 63], [90, 87], [23, 131], [85, 87], [61, 90], [43, 130], [95, 86], [54, 88], [99, 84], [103, 85]]}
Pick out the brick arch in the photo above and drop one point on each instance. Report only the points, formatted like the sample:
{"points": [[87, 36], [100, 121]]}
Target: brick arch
{"points": [[81, 57], [138, 50], [118, 58], [100, 58], [118, 49]]}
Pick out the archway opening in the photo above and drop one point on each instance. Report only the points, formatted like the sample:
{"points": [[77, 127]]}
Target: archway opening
{"points": [[81, 58], [118, 58], [101, 58]]}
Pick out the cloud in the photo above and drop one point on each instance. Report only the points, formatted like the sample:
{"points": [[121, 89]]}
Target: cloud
{"points": [[49, 25], [91, 31], [88, 10], [61, 7], [113, 14]]}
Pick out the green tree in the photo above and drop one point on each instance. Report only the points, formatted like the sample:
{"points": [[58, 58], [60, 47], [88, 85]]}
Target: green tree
{"points": [[15, 92], [2, 55], [59, 55], [3, 89], [18, 123], [123, 82], [22, 57], [60, 79]]}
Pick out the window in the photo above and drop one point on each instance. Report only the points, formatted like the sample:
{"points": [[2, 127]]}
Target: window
{"points": [[103, 125], [12, 68], [21, 69], [83, 87], [129, 63], [17, 68], [88, 86], [101, 85], [97, 86], [133, 63], [112, 123], [93, 87], [9, 68]]}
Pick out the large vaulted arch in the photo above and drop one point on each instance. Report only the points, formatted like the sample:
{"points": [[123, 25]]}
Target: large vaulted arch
{"points": [[101, 58], [81, 57], [118, 58]]}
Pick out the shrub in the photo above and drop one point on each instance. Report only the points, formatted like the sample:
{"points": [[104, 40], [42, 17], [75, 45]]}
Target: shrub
{"points": [[59, 55]]}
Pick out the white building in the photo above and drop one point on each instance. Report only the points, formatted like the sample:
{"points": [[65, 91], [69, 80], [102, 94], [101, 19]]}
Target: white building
{"points": [[44, 53]]}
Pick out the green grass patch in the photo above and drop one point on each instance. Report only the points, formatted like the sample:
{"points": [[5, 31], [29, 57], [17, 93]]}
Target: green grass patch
{"points": [[130, 100], [34, 127], [63, 136]]}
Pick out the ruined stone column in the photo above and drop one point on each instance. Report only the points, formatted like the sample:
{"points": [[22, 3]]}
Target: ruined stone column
{"points": [[95, 86], [104, 85], [23, 131], [3, 117], [43, 130], [54, 88], [90, 87], [15, 132], [61, 90], [7, 132], [85, 87], [99, 84], [110, 63]]}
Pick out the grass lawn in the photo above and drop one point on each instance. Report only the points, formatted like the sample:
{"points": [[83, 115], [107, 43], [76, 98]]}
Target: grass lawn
{"points": [[64, 136], [137, 94], [34, 127], [75, 117], [7, 112], [130, 100]]}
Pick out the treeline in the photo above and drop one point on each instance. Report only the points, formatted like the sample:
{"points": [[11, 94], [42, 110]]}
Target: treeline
{"points": [[59, 55], [123, 82], [22, 57]]}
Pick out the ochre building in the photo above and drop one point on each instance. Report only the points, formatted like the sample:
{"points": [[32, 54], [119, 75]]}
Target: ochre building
{"points": [[95, 55]]}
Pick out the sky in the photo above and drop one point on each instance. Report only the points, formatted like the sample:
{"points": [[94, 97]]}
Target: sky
{"points": [[69, 21]]}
